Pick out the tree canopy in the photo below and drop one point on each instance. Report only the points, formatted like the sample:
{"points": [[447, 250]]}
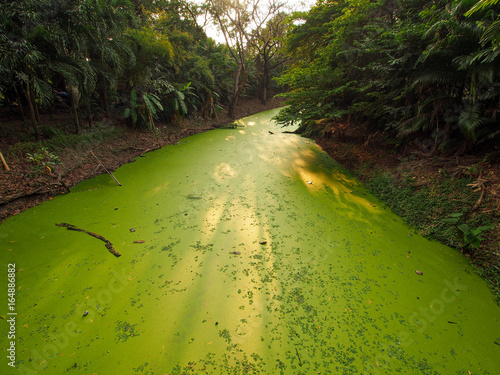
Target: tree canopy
{"points": [[411, 68], [143, 60]]}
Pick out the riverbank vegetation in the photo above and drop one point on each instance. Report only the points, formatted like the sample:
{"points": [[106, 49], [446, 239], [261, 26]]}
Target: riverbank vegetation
{"points": [[405, 94], [422, 72], [126, 76], [143, 61]]}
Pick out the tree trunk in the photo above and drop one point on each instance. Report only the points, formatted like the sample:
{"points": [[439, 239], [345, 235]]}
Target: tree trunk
{"points": [[19, 102], [234, 100], [207, 107], [75, 97], [37, 113], [104, 95], [267, 79], [238, 88], [89, 112], [260, 77], [34, 121]]}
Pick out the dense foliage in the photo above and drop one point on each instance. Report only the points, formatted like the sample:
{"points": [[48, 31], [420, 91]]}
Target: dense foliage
{"points": [[418, 70], [137, 59], [429, 70]]}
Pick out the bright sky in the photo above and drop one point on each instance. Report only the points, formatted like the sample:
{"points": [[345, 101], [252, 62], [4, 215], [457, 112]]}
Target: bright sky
{"points": [[293, 5]]}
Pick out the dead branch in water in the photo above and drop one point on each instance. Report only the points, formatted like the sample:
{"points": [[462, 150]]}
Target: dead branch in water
{"points": [[109, 245]]}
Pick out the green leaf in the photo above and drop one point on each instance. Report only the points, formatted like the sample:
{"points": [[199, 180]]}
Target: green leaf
{"points": [[184, 108], [484, 228], [464, 228], [149, 104], [180, 95], [133, 97], [473, 240]]}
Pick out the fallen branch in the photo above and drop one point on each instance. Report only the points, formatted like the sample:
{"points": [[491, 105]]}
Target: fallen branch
{"points": [[478, 203], [148, 150], [109, 245], [111, 174], [370, 137], [479, 184], [40, 190], [5, 166], [298, 356]]}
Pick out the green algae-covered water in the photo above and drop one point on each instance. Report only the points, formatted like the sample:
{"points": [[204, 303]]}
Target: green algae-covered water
{"points": [[243, 251]]}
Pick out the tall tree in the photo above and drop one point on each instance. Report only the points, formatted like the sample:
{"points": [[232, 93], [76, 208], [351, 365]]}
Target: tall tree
{"points": [[269, 45], [241, 22], [28, 54]]}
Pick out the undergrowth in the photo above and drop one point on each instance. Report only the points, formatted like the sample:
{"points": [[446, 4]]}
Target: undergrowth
{"points": [[57, 140], [428, 205]]}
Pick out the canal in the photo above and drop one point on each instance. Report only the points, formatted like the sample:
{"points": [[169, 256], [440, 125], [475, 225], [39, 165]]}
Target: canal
{"points": [[243, 251]]}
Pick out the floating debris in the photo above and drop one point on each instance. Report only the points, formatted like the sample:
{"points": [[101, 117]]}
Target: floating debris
{"points": [[419, 272], [235, 252], [132, 229], [85, 313], [262, 242], [108, 245], [193, 196], [298, 356], [139, 241]]}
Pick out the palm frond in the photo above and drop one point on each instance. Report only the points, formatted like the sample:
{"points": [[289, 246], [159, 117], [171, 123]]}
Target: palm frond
{"points": [[469, 121], [481, 5], [413, 126], [43, 90], [437, 77]]}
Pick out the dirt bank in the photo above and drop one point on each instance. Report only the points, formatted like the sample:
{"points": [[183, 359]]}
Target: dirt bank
{"points": [[38, 176]]}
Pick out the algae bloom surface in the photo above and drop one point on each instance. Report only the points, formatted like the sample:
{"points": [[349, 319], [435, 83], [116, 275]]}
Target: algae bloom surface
{"points": [[243, 251]]}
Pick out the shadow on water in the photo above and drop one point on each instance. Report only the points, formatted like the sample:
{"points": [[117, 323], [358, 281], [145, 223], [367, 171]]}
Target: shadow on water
{"points": [[245, 251]]}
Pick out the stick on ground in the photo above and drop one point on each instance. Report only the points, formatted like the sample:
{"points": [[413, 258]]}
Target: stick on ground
{"points": [[111, 174], [5, 166]]}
